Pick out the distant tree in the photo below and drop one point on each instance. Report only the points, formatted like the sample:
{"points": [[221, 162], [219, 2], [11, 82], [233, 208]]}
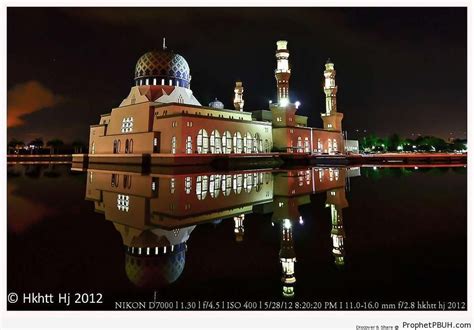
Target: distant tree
{"points": [[459, 144], [36, 143], [368, 142], [54, 144], [393, 142], [15, 144], [78, 146]]}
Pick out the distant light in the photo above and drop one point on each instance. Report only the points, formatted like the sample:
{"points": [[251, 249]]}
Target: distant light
{"points": [[375, 168], [286, 224], [414, 147], [273, 224], [297, 104], [416, 167], [301, 221], [270, 101], [399, 148]]}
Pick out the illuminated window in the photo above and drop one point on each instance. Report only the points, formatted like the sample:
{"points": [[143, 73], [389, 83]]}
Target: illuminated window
{"points": [[146, 81], [202, 142], [173, 145], [299, 144], [154, 81], [127, 125], [188, 181], [172, 185], [237, 142], [226, 143], [201, 187], [123, 202], [248, 143], [226, 184], [162, 81], [329, 125], [237, 183], [214, 185], [215, 142], [306, 145], [189, 145]]}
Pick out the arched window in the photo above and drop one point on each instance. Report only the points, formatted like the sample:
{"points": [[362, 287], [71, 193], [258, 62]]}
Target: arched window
{"points": [[226, 143], [114, 180], [237, 183], [299, 144], [130, 146], [173, 145], [334, 145], [126, 146], [307, 148], [189, 145], [115, 146], [237, 143], [257, 145], [248, 182], [201, 187], [320, 146], [329, 146], [202, 142], [226, 184], [214, 185], [266, 146], [248, 143], [92, 148], [215, 142], [127, 181], [118, 146]]}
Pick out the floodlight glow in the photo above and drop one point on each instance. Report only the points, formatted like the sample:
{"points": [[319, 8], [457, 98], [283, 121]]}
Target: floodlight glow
{"points": [[284, 102], [286, 224], [297, 104]]}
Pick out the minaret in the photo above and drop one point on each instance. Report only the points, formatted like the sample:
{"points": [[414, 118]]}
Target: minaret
{"points": [[239, 227], [239, 96], [287, 259], [282, 73], [331, 118]]}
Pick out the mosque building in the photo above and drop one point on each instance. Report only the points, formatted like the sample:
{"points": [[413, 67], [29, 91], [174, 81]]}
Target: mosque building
{"points": [[162, 118]]}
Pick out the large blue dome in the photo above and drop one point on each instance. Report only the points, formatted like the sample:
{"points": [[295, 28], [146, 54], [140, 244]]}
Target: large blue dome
{"points": [[160, 67]]}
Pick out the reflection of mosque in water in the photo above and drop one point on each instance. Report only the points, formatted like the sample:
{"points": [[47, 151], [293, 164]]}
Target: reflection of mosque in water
{"points": [[156, 213]]}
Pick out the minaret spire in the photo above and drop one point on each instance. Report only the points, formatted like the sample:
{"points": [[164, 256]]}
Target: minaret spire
{"points": [[239, 96], [282, 72]]}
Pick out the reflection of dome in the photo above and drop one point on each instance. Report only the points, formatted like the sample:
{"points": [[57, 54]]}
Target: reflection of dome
{"points": [[216, 104], [162, 64], [155, 271]]}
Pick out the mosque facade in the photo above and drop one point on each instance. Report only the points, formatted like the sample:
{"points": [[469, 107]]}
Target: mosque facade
{"points": [[161, 116]]}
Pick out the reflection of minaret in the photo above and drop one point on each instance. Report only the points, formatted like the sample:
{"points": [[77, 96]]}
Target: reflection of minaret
{"points": [[336, 199], [287, 259], [239, 227], [282, 73], [239, 96]]}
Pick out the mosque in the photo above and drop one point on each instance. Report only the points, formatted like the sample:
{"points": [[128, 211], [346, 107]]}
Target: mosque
{"points": [[162, 118]]}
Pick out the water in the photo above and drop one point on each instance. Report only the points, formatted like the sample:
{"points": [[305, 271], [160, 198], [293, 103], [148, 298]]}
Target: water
{"points": [[362, 238]]}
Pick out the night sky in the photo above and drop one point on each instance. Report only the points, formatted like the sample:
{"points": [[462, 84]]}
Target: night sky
{"points": [[399, 70]]}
